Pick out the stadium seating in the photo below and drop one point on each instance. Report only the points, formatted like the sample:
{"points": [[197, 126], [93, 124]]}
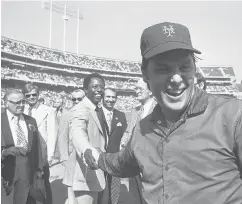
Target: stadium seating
{"points": [[23, 62]]}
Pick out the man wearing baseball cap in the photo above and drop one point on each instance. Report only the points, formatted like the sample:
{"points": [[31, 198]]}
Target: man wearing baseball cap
{"points": [[189, 149]]}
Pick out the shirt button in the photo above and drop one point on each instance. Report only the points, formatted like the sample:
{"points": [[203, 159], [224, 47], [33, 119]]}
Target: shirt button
{"points": [[166, 168], [159, 122], [167, 196]]}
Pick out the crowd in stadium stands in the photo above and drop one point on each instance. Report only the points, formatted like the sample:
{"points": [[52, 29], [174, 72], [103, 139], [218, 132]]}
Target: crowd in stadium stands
{"points": [[58, 78], [36, 52], [222, 88], [124, 103], [218, 72]]}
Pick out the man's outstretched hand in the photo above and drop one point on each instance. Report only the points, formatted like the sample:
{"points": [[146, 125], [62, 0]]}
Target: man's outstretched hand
{"points": [[90, 160]]}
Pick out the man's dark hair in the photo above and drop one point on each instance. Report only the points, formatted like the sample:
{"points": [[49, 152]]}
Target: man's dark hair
{"points": [[201, 79], [29, 87], [89, 77]]}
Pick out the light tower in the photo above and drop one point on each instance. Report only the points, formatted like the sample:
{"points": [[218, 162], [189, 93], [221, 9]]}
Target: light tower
{"points": [[66, 12]]}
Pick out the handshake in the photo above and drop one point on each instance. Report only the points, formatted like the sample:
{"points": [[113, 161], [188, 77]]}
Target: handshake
{"points": [[91, 157]]}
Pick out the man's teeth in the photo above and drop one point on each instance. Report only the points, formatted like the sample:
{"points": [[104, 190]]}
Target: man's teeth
{"points": [[175, 92]]}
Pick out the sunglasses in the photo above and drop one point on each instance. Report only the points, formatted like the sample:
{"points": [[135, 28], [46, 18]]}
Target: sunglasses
{"points": [[76, 99], [28, 95], [17, 102]]}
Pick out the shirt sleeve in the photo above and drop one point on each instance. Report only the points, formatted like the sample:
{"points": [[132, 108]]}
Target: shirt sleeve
{"points": [[238, 140], [121, 164]]}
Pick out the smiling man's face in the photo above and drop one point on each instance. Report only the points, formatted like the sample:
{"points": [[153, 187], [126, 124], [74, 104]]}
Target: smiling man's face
{"points": [[95, 90], [171, 79], [109, 99]]}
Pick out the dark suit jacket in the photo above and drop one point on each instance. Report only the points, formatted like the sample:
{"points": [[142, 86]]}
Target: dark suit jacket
{"points": [[33, 153], [118, 127]]}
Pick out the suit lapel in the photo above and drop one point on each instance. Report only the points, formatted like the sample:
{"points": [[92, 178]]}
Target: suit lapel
{"points": [[114, 121], [40, 114], [95, 118], [86, 102], [6, 131], [30, 134]]}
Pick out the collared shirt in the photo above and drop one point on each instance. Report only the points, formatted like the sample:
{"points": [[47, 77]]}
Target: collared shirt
{"points": [[107, 113], [196, 160], [147, 107], [34, 109], [22, 124]]}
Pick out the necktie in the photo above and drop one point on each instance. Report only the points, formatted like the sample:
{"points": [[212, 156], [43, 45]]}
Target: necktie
{"points": [[115, 189], [30, 111], [102, 120], [21, 140], [109, 120]]}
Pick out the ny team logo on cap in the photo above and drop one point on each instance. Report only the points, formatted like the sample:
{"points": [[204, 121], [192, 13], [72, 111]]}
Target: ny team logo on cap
{"points": [[168, 30], [163, 37]]}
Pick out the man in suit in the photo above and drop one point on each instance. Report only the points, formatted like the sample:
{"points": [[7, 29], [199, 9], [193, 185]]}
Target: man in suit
{"points": [[58, 105], [63, 132], [65, 145], [59, 110], [115, 124], [46, 122], [85, 131], [21, 154], [147, 104]]}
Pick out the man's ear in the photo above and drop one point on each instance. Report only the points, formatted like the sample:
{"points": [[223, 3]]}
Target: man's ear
{"points": [[145, 79], [85, 91]]}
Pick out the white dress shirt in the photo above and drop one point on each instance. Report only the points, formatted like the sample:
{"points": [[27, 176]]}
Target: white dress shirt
{"points": [[22, 124]]}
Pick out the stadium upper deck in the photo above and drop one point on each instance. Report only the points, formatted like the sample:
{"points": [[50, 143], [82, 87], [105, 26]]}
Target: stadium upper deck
{"points": [[23, 62]]}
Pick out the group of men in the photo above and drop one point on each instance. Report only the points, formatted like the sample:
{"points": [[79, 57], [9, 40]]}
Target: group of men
{"points": [[92, 119], [181, 146], [26, 124]]}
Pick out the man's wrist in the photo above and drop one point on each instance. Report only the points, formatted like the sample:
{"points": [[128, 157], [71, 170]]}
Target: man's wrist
{"points": [[3, 153], [99, 161]]}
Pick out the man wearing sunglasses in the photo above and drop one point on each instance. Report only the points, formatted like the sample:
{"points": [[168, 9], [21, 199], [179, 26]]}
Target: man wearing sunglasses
{"points": [[77, 95], [63, 133], [46, 122], [65, 146], [21, 157]]}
